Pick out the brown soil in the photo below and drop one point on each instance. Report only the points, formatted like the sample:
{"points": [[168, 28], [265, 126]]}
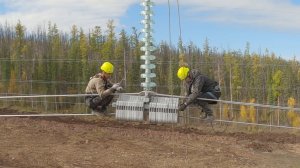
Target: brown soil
{"points": [[89, 142]]}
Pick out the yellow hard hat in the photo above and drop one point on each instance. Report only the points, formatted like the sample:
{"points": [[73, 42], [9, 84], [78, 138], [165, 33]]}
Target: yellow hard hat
{"points": [[107, 67], [183, 72]]}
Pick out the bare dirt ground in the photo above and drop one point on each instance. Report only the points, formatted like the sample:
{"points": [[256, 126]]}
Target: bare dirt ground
{"points": [[89, 142]]}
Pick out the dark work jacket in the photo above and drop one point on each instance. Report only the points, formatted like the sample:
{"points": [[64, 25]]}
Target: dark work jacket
{"points": [[198, 85]]}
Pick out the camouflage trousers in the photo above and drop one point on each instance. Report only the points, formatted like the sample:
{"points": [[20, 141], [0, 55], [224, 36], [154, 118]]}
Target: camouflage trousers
{"points": [[94, 102]]}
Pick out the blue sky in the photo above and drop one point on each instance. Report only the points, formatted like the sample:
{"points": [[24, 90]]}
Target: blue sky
{"points": [[227, 24]]}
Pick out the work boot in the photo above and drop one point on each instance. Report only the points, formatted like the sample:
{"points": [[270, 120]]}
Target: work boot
{"points": [[203, 115], [98, 110], [103, 109], [97, 113], [209, 118]]}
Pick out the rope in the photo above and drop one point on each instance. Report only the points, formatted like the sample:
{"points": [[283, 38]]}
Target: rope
{"points": [[170, 36], [164, 95], [43, 96], [45, 115], [266, 125], [157, 94], [244, 123], [225, 121], [179, 20], [226, 125], [170, 54], [240, 103]]}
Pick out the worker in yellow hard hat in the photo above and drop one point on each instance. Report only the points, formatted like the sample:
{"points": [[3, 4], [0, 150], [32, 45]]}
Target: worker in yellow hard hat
{"points": [[199, 86], [100, 84]]}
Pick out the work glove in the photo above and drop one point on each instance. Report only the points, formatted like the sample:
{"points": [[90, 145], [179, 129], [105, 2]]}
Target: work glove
{"points": [[115, 86], [182, 107], [120, 88], [111, 90]]}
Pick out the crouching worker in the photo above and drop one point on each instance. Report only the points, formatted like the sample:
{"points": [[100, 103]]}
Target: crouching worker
{"points": [[199, 86], [100, 84]]}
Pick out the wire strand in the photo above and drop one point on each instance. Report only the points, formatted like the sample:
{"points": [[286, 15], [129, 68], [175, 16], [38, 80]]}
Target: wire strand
{"points": [[44, 115], [157, 94], [179, 20]]}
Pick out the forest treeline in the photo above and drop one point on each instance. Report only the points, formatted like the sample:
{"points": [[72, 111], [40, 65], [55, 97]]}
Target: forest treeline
{"points": [[48, 61]]}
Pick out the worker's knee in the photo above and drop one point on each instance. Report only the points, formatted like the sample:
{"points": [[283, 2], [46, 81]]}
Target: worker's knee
{"points": [[92, 102]]}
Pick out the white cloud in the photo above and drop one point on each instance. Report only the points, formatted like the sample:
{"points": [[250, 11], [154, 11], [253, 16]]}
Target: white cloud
{"points": [[276, 14], [65, 13]]}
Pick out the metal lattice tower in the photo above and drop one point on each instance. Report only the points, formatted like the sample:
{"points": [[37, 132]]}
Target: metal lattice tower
{"points": [[148, 47]]}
